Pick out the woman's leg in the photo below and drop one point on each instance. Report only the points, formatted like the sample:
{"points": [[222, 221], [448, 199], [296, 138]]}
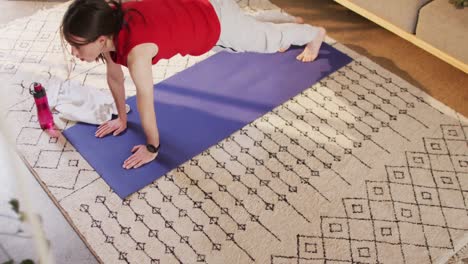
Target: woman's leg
{"points": [[276, 16], [242, 32]]}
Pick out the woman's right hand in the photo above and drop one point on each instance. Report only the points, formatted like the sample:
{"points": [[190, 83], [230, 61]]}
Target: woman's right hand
{"points": [[116, 125]]}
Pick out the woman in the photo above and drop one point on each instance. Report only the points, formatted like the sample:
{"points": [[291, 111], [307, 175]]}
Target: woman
{"points": [[138, 34]]}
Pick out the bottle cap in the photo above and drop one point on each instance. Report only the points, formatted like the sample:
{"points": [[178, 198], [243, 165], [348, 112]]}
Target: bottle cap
{"points": [[38, 91]]}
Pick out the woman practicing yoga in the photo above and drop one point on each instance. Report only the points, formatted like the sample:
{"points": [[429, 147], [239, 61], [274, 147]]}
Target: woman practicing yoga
{"points": [[138, 34]]}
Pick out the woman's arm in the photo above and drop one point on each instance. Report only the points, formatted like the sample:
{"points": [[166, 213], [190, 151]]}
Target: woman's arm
{"points": [[115, 80], [139, 63]]}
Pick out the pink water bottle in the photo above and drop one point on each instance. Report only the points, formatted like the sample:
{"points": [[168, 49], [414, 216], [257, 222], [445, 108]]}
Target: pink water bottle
{"points": [[46, 120]]}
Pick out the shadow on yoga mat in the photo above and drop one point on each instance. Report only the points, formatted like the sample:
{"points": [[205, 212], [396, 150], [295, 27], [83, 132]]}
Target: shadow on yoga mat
{"points": [[201, 106]]}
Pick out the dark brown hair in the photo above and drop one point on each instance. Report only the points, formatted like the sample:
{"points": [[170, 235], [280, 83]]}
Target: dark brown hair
{"points": [[90, 19]]}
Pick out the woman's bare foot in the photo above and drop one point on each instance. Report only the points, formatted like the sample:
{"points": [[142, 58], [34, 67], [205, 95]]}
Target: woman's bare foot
{"points": [[311, 51], [284, 49]]}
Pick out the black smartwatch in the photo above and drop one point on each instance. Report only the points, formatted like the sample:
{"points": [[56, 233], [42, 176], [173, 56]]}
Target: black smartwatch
{"points": [[151, 148]]}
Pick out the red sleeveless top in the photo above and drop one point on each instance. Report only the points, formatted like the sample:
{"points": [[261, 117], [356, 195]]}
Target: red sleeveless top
{"points": [[175, 26]]}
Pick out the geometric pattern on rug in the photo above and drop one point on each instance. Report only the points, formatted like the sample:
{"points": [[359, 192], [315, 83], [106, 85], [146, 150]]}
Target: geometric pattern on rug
{"points": [[437, 199], [357, 168]]}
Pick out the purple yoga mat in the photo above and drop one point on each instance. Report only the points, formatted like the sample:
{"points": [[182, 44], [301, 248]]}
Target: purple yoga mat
{"points": [[201, 106]]}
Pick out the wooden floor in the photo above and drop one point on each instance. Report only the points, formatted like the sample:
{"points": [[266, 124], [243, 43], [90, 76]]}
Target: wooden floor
{"points": [[437, 78]]}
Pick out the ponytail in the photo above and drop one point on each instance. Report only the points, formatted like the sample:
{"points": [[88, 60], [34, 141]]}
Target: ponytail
{"points": [[118, 14]]}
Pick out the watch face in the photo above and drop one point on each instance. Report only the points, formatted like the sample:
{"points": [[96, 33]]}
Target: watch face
{"points": [[151, 148]]}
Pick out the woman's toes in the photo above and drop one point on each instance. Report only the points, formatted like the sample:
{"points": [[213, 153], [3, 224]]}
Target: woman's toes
{"points": [[284, 49], [300, 56]]}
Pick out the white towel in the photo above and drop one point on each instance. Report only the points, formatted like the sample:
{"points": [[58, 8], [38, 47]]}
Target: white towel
{"points": [[80, 103], [72, 100]]}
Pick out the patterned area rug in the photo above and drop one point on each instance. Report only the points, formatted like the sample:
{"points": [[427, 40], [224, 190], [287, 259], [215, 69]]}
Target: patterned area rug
{"points": [[359, 168]]}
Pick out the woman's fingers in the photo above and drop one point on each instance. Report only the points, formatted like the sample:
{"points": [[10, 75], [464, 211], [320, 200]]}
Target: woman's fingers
{"points": [[106, 129], [130, 162], [103, 124], [118, 131], [103, 132], [101, 129], [139, 164], [135, 163]]}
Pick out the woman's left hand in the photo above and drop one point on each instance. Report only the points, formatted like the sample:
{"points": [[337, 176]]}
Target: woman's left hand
{"points": [[140, 157]]}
